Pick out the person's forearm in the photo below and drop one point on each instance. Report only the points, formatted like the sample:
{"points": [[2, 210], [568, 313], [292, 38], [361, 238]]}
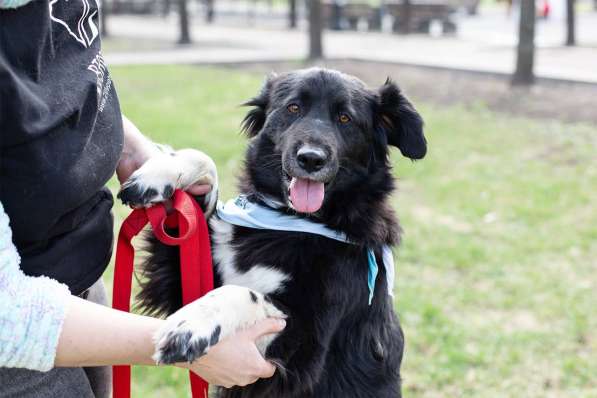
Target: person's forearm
{"points": [[135, 141], [136, 150], [94, 335]]}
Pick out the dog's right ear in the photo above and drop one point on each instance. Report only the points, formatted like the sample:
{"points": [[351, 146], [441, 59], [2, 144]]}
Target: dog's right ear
{"points": [[401, 122], [255, 118]]}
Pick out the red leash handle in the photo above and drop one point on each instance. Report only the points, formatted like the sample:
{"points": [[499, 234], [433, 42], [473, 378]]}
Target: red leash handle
{"points": [[195, 267]]}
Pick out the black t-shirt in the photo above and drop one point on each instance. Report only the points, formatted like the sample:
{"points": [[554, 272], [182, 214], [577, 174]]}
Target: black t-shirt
{"points": [[60, 139]]}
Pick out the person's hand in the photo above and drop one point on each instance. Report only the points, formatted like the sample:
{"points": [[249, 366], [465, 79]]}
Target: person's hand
{"points": [[235, 360], [136, 150], [190, 170], [135, 156], [222, 336]]}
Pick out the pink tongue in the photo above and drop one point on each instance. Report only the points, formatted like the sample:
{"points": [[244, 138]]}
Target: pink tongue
{"points": [[306, 195]]}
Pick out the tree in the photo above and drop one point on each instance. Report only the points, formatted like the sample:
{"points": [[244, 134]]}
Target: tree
{"points": [[185, 35], [315, 30], [209, 11], [405, 18], [525, 57], [104, 19], [292, 14], [166, 7], [570, 23]]}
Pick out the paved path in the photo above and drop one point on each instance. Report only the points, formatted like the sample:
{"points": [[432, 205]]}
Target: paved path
{"points": [[485, 43]]}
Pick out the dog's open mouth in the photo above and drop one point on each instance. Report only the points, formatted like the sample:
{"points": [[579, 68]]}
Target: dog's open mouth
{"points": [[306, 195]]}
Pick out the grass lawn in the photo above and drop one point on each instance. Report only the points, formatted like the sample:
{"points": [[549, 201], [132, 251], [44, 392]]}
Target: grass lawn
{"points": [[497, 273]]}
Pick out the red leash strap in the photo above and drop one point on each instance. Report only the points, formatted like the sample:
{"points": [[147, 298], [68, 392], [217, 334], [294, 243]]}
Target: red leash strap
{"points": [[195, 267]]}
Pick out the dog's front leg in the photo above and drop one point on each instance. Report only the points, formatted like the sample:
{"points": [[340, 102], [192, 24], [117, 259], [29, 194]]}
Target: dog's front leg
{"points": [[299, 353], [190, 332], [156, 180]]}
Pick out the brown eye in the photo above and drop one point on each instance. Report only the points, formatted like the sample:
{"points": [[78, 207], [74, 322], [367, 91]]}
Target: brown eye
{"points": [[344, 118], [293, 108]]}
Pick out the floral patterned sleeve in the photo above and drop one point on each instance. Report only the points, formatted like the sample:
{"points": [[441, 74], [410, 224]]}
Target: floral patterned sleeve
{"points": [[32, 310]]}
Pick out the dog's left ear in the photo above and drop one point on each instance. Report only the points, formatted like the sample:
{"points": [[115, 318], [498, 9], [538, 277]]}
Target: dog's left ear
{"points": [[401, 122], [255, 118]]}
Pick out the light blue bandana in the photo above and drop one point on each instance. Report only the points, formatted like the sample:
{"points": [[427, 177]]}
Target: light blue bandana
{"points": [[13, 3], [244, 213]]}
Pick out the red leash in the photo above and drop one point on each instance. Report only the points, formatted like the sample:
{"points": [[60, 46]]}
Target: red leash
{"points": [[195, 267]]}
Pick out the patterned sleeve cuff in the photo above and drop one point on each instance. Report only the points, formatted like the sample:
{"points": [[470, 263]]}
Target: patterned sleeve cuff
{"points": [[32, 310], [31, 333], [48, 308]]}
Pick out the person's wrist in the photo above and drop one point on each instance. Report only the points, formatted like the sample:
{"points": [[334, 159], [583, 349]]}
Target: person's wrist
{"points": [[197, 366], [150, 328], [142, 150], [133, 158]]}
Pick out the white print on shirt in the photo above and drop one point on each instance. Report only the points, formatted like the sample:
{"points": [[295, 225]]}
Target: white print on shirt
{"points": [[84, 31], [98, 66], [104, 82]]}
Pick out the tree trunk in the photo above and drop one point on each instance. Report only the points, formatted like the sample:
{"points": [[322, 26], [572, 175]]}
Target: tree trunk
{"points": [[570, 23], [166, 7], [336, 17], [405, 19], [525, 58], [315, 30], [104, 19], [209, 11], [292, 14], [185, 35]]}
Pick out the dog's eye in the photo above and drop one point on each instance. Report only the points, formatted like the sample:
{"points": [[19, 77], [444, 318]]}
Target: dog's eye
{"points": [[293, 108], [344, 118]]}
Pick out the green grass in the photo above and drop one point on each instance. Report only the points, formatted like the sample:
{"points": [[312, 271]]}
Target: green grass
{"points": [[497, 273]]}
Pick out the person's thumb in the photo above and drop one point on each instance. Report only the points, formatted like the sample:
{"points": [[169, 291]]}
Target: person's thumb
{"points": [[266, 326], [199, 189]]}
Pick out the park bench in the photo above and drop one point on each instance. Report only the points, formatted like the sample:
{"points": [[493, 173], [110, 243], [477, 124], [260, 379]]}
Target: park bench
{"points": [[418, 15], [131, 6], [349, 15]]}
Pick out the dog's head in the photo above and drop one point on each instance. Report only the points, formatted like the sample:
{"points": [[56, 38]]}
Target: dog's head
{"points": [[318, 134]]}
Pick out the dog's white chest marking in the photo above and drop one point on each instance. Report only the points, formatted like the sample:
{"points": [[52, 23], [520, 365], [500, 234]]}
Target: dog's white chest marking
{"points": [[261, 278]]}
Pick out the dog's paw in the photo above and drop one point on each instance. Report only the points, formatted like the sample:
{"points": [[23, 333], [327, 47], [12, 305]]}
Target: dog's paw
{"points": [[156, 180], [191, 331], [148, 185]]}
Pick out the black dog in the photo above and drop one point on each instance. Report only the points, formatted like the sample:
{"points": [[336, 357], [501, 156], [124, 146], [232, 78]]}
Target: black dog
{"points": [[319, 149]]}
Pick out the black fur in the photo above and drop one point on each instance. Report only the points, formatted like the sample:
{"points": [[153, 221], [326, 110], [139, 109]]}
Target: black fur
{"points": [[401, 122], [335, 344], [168, 191], [180, 347], [132, 194], [253, 297], [160, 281]]}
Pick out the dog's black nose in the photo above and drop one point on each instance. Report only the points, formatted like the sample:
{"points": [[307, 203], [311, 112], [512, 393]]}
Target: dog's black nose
{"points": [[311, 159]]}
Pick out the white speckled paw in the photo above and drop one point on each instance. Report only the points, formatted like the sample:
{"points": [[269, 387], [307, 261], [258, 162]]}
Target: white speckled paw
{"points": [[191, 331], [159, 176]]}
